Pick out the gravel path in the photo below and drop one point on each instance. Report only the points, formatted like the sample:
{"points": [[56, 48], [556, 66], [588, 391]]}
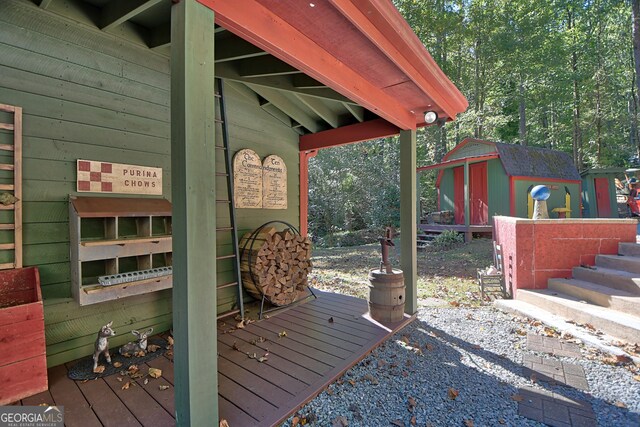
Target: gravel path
{"points": [[457, 367]]}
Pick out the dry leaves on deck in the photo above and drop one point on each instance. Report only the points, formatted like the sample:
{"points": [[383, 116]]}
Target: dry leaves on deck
{"points": [[412, 403], [163, 387], [224, 423], [152, 348], [99, 369], [282, 334], [155, 372], [126, 385], [117, 364], [468, 423]]}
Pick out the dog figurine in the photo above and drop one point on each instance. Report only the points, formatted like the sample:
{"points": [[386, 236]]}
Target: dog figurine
{"points": [[139, 345], [102, 344]]}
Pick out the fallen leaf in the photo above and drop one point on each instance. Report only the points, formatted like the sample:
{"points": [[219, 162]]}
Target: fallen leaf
{"points": [[623, 359], [636, 377], [413, 420], [330, 391], [282, 334], [405, 339], [371, 379], [152, 348], [119, 379], [99, 369], [517, 397], [163, 387], [117, 364], [155, 372], [340, 422], [412, 403], [169, 354], [170, 340], [146, 381], [620, 404], [330, 319], [262, 359], [224, 423], [240, 325], [235, 346], [428, 347], [534, 378], [502, 421], [454, 303], [127, 355], [453, 393], [295, 421], [476, 347], [133, 369], [521, 332], [535, 323], [398, 423], [126, 385], [139, 353], [352, 382], [589, 326], [468, 423]]}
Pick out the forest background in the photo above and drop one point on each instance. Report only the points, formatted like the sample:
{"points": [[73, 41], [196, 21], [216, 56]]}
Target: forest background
{"points": [[558, 74]]}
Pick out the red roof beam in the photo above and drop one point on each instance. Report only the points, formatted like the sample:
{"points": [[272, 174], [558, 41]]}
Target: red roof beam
{"points": [[456, 162], [258, 25], [386, 28], [358, 132]]}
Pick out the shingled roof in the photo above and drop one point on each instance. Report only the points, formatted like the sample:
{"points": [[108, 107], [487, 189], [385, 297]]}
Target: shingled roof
{"points": [[519, 160]]}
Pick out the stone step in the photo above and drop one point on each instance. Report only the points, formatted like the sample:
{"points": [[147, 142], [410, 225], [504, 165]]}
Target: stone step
{"points": [[603, 296], [522, 308], [617, 324], [629, 249], [616, 279], [619, 262]]}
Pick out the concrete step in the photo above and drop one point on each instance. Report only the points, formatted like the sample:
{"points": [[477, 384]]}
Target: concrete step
{"points": [[522, 308], [603, 296], [617, 324], [616, 279], [629, 249], [619, 262]]}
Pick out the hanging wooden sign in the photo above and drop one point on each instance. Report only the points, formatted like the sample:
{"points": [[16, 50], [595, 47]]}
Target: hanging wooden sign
{"points": [[247, 179], [106, 177], [274, 183]]}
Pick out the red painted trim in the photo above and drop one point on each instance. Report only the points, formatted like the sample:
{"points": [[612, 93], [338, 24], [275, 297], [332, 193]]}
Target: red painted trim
{"points": [[512, 196], [540, 178], [304, 190], [358, 132], [383, 25], [464, 143], [265, 29], [457, 162]]}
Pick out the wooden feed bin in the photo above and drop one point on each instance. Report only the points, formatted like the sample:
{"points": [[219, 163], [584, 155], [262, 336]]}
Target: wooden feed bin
{"points": [[23, 362], [386, 295]]}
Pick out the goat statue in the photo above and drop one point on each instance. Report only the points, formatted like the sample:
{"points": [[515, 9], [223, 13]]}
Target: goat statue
{"points": [[102, 344], [131, 348]]}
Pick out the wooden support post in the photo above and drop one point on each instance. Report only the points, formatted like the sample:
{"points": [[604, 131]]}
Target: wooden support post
{"points": [[467, 216], [304, 190], [408, 219], [194, 214]]}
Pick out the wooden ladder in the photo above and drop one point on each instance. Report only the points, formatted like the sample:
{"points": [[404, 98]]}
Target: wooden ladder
{"points": [[232, 228], [7, 200]]}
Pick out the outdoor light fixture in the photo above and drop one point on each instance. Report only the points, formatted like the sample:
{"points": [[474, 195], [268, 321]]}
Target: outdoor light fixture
{"points": [[430, 117]]}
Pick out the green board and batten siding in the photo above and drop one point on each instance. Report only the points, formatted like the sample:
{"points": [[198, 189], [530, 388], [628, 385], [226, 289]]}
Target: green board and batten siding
{"points": [[89, 95]]}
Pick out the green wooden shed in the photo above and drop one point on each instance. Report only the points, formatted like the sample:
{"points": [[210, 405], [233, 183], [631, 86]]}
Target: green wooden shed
{"points": [[599, 192], [132, 82], [479, 179]]}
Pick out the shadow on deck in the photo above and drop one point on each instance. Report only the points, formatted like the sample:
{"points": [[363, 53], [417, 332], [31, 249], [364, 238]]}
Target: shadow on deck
{"points": [[324, 337]]}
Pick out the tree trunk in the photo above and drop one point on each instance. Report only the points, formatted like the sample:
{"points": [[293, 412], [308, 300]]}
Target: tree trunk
{"points": [[477, 86], [577, 134], [635, 9]]}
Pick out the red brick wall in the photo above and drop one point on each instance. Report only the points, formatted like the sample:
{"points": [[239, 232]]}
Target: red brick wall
{"points": [[535, 251]]}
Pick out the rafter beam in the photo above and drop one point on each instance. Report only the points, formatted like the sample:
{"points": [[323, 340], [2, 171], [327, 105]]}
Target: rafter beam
{"points": [[234, 48], [265, 67], [264, 28], [302, 81], [284, 83], [117, 12], [356, 111], [287, 106], [378, 128], [45, 3], [318, 107]]}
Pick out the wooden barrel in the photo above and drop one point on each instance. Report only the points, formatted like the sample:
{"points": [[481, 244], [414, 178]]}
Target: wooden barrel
{"points": [[386, 295]]}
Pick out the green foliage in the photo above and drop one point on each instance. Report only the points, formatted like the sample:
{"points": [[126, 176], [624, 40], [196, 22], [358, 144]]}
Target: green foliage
{"points": [[348, 238], [447, 240]]}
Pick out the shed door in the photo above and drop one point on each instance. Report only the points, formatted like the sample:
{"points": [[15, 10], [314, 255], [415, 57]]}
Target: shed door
{"points": [[458, 194], [478, 193], [603, 201]]}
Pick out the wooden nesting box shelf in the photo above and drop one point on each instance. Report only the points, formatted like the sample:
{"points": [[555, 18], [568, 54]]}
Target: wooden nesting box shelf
{"points": [[111, 236]]}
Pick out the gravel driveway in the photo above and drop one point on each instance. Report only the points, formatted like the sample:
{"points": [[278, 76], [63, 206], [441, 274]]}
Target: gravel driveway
{"points": [[460, 367]]}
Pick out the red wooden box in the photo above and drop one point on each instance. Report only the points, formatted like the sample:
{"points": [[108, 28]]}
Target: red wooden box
{"points": [[23, 361]]}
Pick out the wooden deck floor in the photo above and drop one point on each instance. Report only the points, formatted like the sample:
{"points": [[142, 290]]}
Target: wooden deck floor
{"points": [[324, 337]]}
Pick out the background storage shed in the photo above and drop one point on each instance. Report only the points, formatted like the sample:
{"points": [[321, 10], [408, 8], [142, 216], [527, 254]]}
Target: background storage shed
{"points": [[599, 192]]}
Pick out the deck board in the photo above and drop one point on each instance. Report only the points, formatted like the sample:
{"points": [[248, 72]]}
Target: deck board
{"points": [[313, 354]]}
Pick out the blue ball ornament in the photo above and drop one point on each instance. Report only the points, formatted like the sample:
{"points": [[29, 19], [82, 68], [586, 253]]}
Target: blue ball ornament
{"points": [[540, 192]]}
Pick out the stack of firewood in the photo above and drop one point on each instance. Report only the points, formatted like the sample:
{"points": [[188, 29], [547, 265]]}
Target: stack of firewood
{"points": [[276, 265]]}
